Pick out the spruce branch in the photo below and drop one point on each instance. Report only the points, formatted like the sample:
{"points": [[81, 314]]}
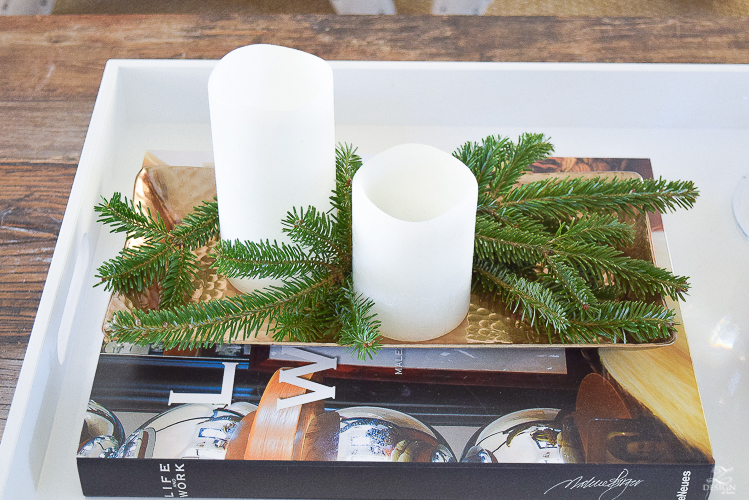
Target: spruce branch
{"points": [[565, 198], [315, 299], [484, 162], [497, 163], [550, 249], [572, 283], [347, 164], [134, 269], [499, 243], [217, 321], [247, 259], [313, 229], [359, 326], [595, 229], [610, 267], [197, 228], [125, 217], [164, 256], [619, 321], [530, 297], [529, 149], [177, 284]]}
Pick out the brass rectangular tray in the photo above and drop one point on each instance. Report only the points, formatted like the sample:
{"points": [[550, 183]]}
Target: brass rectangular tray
{"points": [[173, 191]]}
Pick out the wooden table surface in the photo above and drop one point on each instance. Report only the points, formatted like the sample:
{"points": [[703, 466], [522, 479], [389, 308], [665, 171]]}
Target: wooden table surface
{"points": [[50, 68]]}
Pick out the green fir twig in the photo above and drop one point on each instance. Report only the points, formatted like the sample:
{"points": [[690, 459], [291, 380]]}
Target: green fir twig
{"points": [[164, 257], [550, 249], [314, 301]]}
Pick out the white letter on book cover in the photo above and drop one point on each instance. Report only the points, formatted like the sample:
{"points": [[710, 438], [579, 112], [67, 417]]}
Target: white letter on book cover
{"points": [[293, 376], [224, 398]]}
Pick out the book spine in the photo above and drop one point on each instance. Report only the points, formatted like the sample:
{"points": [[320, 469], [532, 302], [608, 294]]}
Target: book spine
{"points": [[369, 481]]}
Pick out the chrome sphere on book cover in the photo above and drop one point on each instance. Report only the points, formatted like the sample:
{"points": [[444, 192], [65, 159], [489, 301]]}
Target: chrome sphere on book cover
{"points": [[186, 431], [528, 436], [372, 434], [102, 432]]}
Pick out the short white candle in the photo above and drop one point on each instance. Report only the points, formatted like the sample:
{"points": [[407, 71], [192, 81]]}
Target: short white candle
{"points": [[413, 218], [273, 140]]}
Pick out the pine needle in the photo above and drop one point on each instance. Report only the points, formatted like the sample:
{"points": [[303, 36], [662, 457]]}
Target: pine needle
{"points": [[620, 321], [125, 217], [550, 249], [565, 198], [360, 327], [246, 259], [164, 257], [315, 299]]}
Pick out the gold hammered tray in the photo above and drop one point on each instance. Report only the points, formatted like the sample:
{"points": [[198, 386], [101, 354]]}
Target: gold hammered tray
{"points": [[173, 191]]}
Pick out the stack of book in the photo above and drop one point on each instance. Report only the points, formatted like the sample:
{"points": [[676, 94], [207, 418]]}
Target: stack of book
{"points": [[433, 422]]}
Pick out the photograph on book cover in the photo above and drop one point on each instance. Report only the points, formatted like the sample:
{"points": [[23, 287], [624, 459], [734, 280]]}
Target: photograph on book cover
{"points": [[283, 421]]}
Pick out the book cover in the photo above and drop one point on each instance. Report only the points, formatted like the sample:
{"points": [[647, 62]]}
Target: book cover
{"points": [[271, 421]]}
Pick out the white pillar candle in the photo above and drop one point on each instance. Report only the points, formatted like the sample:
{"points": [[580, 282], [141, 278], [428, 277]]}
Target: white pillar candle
{"points": [[413, 223], [273, 140]]}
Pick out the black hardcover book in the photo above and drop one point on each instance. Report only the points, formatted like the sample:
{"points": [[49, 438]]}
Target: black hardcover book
{"points": [[234, 427]]}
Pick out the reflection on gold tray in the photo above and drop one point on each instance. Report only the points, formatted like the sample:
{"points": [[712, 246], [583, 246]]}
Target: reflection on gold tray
{"points": [[173, 191]]}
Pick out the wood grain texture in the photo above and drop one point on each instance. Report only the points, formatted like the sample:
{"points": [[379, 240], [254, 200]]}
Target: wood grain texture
{"points": [[59, 57], [44, 130], [52, 66], [32, 202], [11, 358]]}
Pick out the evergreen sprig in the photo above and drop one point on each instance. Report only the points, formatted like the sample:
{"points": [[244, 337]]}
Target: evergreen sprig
{"points": [[125, 217], [565, 198], [315, 300], [164, 256], [223, 320], [551, 249]]}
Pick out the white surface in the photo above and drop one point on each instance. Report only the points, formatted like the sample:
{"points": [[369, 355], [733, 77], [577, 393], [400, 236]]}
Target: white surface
{"points": [[360, 7], [413, 221], [26, 7], [460, 7], [692, 121], [273, 135], [741, 204]]}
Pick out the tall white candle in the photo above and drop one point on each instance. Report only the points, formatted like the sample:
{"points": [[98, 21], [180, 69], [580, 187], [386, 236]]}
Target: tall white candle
{"points": [[273, 140], [413, 218]]}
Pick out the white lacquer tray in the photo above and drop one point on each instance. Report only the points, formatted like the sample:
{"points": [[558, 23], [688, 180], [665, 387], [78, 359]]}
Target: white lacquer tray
{"points": [[691, 121]]}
